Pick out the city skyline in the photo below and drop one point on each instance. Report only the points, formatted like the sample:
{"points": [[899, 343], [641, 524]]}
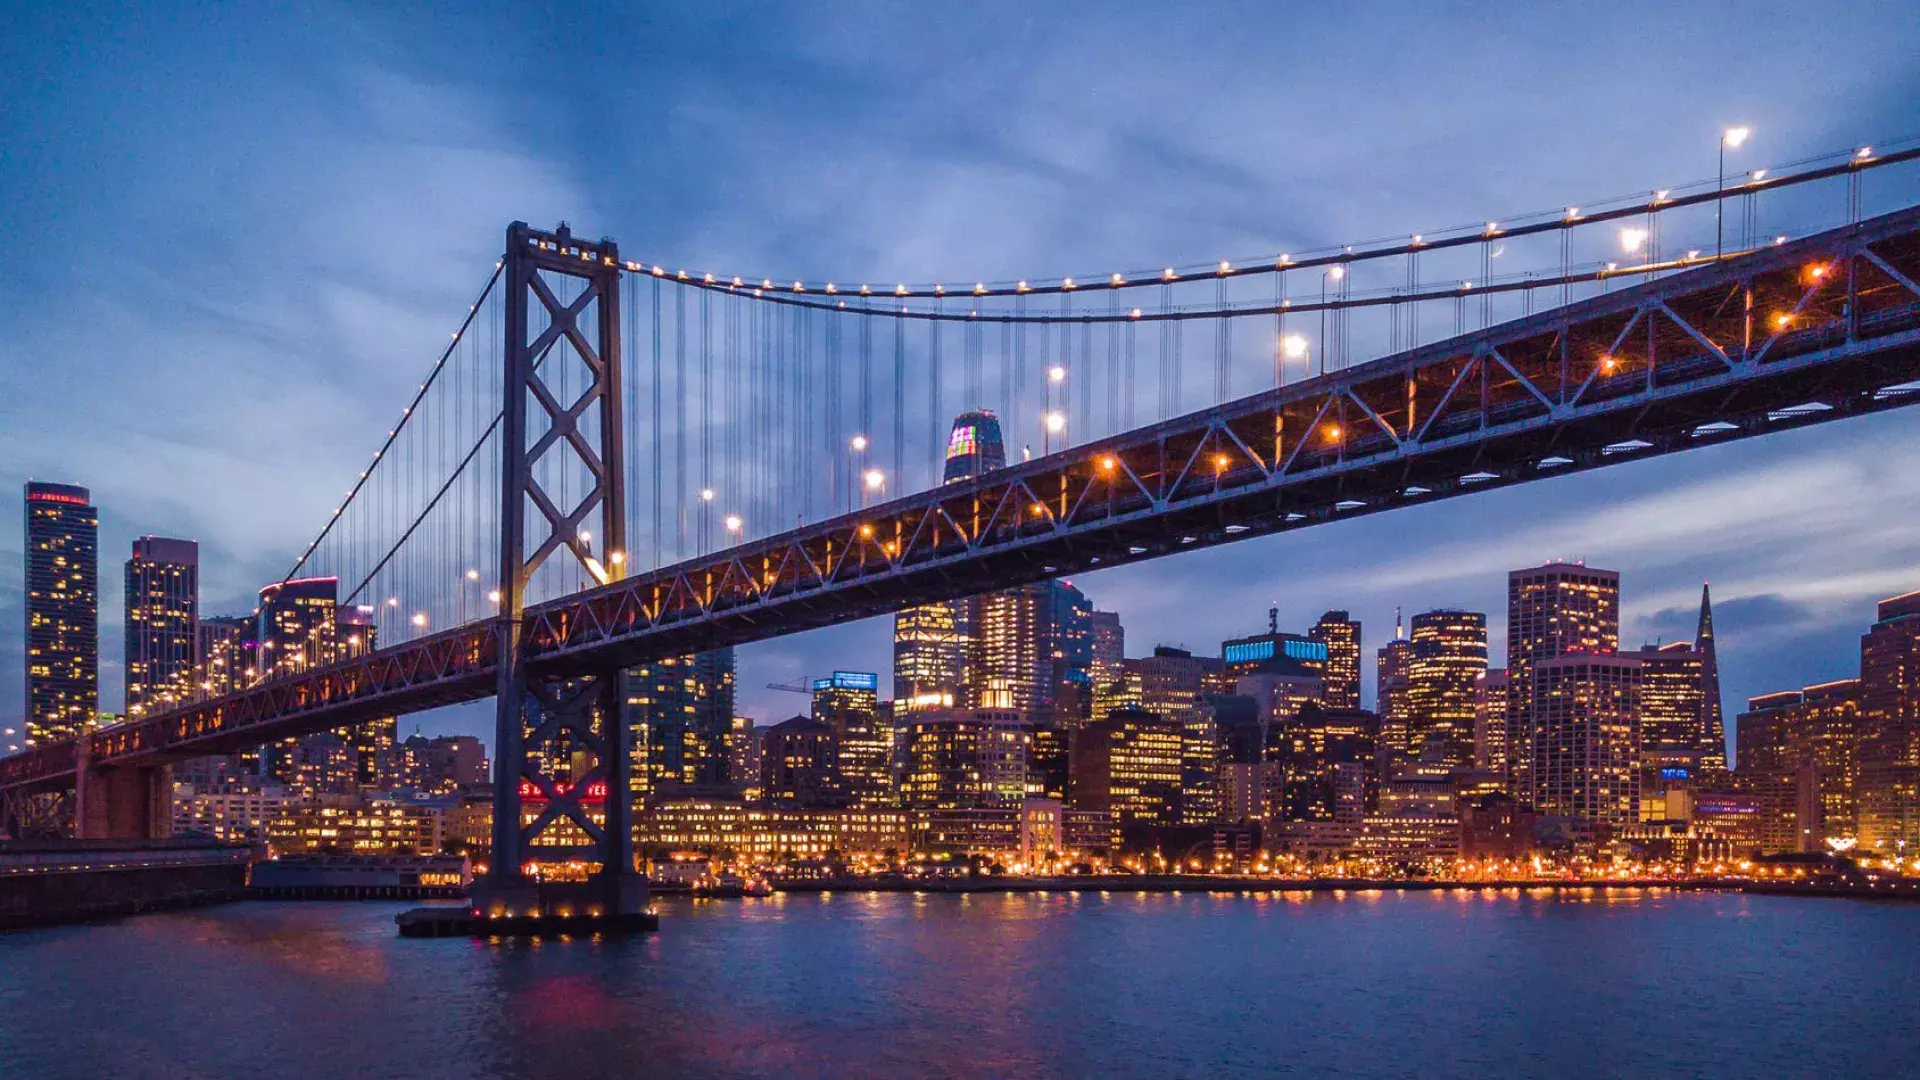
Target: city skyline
{"points": [[1666, 524], [1491, 624]]}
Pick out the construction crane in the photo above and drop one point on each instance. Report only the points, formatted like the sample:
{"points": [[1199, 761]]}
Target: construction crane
{"points": [[802, 687]]}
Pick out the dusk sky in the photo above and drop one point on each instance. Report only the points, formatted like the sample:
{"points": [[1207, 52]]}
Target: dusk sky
{"points": [[237, 236]]}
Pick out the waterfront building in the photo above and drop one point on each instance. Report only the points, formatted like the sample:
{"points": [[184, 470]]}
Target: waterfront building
{"points": [[1889, 782], [1448, 656], [234, 811], [1553, 610], [62, 615], [761, 835], [849, 703], [162, 623], [1130, 765], [1585, 712], [1490, 722], [967, 758], [370, 825], [1496, 828], [1037, 835], [679, 711], [1424, 837], [1340, 634], [800, 765]]}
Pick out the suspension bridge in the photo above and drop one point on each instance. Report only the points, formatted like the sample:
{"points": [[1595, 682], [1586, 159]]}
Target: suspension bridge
{"points": [[615, 460]]}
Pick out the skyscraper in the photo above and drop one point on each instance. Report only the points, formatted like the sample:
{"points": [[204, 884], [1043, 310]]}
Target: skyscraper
{"points": [[1449, 654], [1392, 666], [1341, 635], [974, 446], [1490, 721], [1889, 785], [1585, 712], [849, 703], [62, 612], [162, 622], [1713, 724], [931, 643], [1800, 753], [1109, 648], [1008, 662], [1553, 610], [679, 711]]}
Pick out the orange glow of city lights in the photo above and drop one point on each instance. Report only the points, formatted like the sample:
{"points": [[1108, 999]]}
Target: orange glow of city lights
{"points": [[1332, 432], [1221, 461], [1107, 463]]}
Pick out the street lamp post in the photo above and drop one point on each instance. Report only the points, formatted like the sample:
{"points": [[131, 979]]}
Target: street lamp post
{"points": [[872, 482], [855, 447], [706, 513], [1333, 273], [1730, 139]]}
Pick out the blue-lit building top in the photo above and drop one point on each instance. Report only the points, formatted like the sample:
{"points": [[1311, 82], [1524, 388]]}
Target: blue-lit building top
{"points": [[1262, 647], [849, 680]]}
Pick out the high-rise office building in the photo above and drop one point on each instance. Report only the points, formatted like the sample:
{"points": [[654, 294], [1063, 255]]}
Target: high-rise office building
{"points": [[743, 757], [1889, 786], [1172, 683], [1553, 610], [1392, 668], [1069, 649], [931, 643], [929, 651], [1008, 662], [297, 624], [1245, 655], [1130, 765], [800, 765], [849, 703], [974, 446], [1490, 721], [1585, 710], [1340, 633], [1449, 655], [355, 633], [1800, 756], [1673, 705], [162, 623], [1109, 648], [679, 711], [62, 613], [967, 759], [1316, 755], [1713, 724]]}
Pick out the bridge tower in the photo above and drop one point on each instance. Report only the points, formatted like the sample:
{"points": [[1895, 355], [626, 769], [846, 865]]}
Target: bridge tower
{"points": [[561, 747]]}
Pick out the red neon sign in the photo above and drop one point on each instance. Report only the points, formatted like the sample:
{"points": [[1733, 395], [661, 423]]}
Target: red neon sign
{"points": [[596, 791], [56, 497]]}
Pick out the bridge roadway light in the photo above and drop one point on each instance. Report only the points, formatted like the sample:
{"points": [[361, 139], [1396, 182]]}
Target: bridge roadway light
{"points": [[1056, 422], [858, 442], [733, 523], [1293, 346], [706, 494], [1730, 139], [1056, 374], [1633, 239], [419, 618], [874, 479]]}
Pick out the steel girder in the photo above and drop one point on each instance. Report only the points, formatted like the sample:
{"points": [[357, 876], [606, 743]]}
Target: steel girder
{"points": [[1803, 333]]}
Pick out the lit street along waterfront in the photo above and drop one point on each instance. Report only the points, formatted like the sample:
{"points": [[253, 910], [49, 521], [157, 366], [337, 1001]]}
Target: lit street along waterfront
{"points": [[1463, 983]]}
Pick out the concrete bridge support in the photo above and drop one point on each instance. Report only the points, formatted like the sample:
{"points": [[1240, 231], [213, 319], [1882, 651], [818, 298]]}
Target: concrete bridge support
{"points": [[128, 802]]}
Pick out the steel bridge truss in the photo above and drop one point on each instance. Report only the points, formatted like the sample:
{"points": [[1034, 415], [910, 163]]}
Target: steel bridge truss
{"points": [[1802, 333]]}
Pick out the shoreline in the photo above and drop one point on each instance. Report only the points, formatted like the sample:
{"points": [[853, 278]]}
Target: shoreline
{"points": [[1176, 883]]}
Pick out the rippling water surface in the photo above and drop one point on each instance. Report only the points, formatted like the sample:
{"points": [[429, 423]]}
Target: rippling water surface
{"points": [[1642, 984]]}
